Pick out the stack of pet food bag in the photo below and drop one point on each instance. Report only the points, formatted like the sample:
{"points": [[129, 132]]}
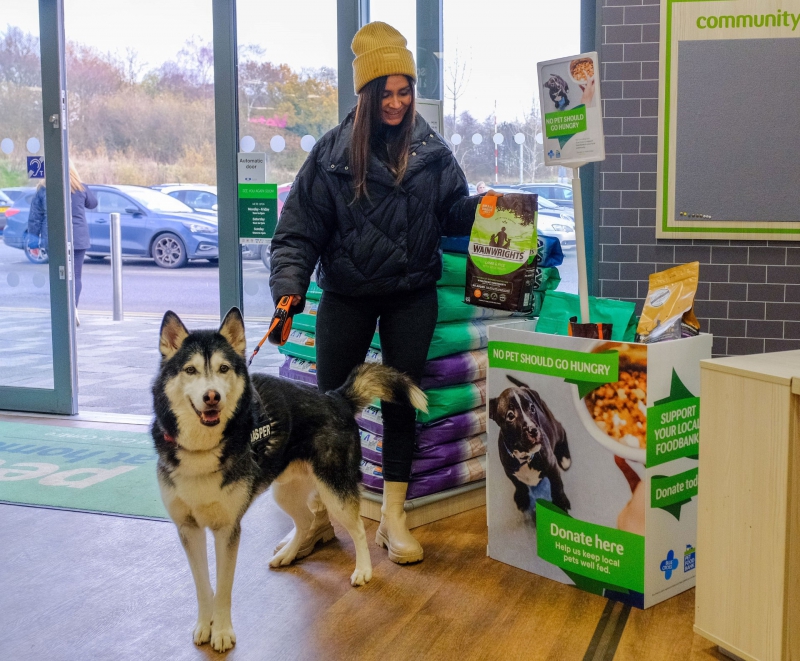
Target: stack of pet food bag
{"points": [[451, 436]]}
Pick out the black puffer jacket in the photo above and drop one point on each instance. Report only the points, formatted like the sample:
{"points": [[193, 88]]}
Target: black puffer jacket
{"points": [[386, 244]]}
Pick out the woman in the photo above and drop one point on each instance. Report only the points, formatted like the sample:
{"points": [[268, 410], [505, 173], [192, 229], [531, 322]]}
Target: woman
{"points": [[81, 199], [371, 203]]}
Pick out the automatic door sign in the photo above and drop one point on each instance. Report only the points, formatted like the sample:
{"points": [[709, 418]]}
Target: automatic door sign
{"points": [[572, 121], [35, 167]]}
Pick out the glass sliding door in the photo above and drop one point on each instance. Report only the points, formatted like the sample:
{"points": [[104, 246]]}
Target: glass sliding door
{"points": [[287, 100], [36, 275], [140, 85]]}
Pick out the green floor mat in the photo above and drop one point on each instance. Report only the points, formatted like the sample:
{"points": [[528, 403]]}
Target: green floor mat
{"points": [[81, 469]]}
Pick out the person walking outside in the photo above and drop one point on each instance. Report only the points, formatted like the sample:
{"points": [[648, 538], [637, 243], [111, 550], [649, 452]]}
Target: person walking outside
{"points": [[370, 204], [81, 199]]}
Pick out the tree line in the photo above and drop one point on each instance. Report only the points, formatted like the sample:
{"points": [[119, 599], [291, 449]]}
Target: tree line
{"points": [[136, 125]]}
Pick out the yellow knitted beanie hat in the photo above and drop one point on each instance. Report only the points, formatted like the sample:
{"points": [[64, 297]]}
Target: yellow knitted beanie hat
{"points": [[380, 50]]}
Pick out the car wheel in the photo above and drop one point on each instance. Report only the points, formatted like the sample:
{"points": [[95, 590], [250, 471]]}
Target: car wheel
{"points": [[265, 257], [39, 257], [169, 251]]}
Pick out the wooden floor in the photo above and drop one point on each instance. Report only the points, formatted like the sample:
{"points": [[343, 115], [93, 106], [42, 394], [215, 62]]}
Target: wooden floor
{"points": [[77, 586]]}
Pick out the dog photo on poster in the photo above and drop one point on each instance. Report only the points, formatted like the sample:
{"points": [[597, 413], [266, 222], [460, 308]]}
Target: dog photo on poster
{"points": [[571, 109]]}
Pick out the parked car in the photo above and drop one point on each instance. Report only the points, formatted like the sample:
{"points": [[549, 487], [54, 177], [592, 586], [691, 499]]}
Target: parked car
{"points": [[560, 194], [5, 203], [153, 225], [16, 216], [202, 198], [552, 219], [16, 192]]}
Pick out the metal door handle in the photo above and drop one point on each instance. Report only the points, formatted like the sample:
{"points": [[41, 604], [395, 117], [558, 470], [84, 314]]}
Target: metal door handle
{"points": [[54, 120]]}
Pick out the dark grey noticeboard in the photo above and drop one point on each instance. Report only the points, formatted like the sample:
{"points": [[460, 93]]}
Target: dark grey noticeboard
{"points": [[738, 130]]}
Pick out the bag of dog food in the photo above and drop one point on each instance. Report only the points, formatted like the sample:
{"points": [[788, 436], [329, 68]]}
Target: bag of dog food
{"points": [[451, 400], [559, 307], [546, 278], [453, 308], [454, 337], [668, 312], [502, 249], [452, 428], [443, 402], [448, 429], [435, 457], [446, 371], [300, 370], [305, 322], [548, 251], [445, 478], [455, 244], [454, 270], [314, 293], [452, 370], [300, 345], [430, 458]]}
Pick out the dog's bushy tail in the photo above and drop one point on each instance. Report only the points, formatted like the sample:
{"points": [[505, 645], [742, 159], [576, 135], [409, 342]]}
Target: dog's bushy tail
{"points": [[374, 381]]}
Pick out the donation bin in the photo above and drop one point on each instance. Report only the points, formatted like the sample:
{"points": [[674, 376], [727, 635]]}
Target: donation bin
{"points": [[593, 460]]}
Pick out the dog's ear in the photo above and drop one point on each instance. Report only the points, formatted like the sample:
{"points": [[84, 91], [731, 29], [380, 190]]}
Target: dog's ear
{"points": [[173, 333], [517, 382], [232, 329], [493, 408]]}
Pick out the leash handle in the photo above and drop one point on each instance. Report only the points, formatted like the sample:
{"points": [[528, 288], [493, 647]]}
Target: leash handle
{"points": [[280, 327]]}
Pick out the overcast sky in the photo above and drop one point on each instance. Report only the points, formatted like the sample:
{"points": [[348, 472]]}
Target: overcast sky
{"points": [[501, 40]]}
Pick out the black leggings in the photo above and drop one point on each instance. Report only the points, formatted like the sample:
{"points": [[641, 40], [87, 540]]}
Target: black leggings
{"points": [[345, 326], [79, 257]]}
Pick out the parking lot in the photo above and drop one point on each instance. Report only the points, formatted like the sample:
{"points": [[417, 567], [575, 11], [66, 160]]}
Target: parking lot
{"points": [[117, 360]]}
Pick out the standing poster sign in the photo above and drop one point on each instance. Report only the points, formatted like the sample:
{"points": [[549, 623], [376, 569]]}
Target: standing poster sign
{"points": [[572, 126], [258, 200], [572, 117]]}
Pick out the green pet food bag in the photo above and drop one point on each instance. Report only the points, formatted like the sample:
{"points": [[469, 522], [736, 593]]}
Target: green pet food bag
{"points": [[502, 251]]}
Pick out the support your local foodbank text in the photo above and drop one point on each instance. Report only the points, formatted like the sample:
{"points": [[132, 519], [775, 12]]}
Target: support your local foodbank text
{"points": [[777, 20]]}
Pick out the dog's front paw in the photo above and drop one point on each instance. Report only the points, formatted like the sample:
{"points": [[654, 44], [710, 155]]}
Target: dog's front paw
{"points": [[222, 638], [361, 576], [202, 632], [284, 557]]}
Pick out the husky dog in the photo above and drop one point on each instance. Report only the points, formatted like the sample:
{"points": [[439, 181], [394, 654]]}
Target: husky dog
{"points": [[223, 437]]}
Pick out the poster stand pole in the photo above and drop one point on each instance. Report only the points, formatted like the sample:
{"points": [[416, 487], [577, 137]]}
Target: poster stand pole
{"points": [[580, 245]]}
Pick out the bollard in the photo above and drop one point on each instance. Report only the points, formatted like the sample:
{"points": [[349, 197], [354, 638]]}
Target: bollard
{"points": [[116, 265]]}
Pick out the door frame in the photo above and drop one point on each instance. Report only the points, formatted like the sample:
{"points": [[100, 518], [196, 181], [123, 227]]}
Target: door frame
{"points": [[63, 398]]}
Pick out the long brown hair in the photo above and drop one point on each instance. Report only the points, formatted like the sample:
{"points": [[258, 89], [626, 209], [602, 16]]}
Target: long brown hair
{"points": [[368, 121], [75, 183]]}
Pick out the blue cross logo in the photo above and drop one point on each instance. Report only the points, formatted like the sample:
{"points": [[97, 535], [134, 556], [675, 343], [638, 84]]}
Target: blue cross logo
{"points": [[669, 565], [551, 153]]}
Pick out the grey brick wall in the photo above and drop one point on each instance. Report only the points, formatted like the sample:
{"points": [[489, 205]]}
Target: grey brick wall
{"points": [[749, 294]]}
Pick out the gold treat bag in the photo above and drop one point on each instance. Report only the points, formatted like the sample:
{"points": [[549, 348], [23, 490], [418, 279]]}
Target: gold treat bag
{"points": [[669, 304]]}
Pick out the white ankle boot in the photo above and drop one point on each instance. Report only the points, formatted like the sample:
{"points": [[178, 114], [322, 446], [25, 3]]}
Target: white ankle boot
{"points": [[393, 531], [321, 530]]}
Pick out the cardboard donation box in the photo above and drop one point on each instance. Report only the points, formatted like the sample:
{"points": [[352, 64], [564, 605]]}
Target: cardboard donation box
{"points": [[593, 460]]}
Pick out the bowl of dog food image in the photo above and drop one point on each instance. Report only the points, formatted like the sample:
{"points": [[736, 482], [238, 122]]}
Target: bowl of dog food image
{"points": [[615, 414], [581, 70]]}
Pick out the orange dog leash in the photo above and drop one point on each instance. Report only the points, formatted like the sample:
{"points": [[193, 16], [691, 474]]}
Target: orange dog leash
{"points": [[279, 328]]}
